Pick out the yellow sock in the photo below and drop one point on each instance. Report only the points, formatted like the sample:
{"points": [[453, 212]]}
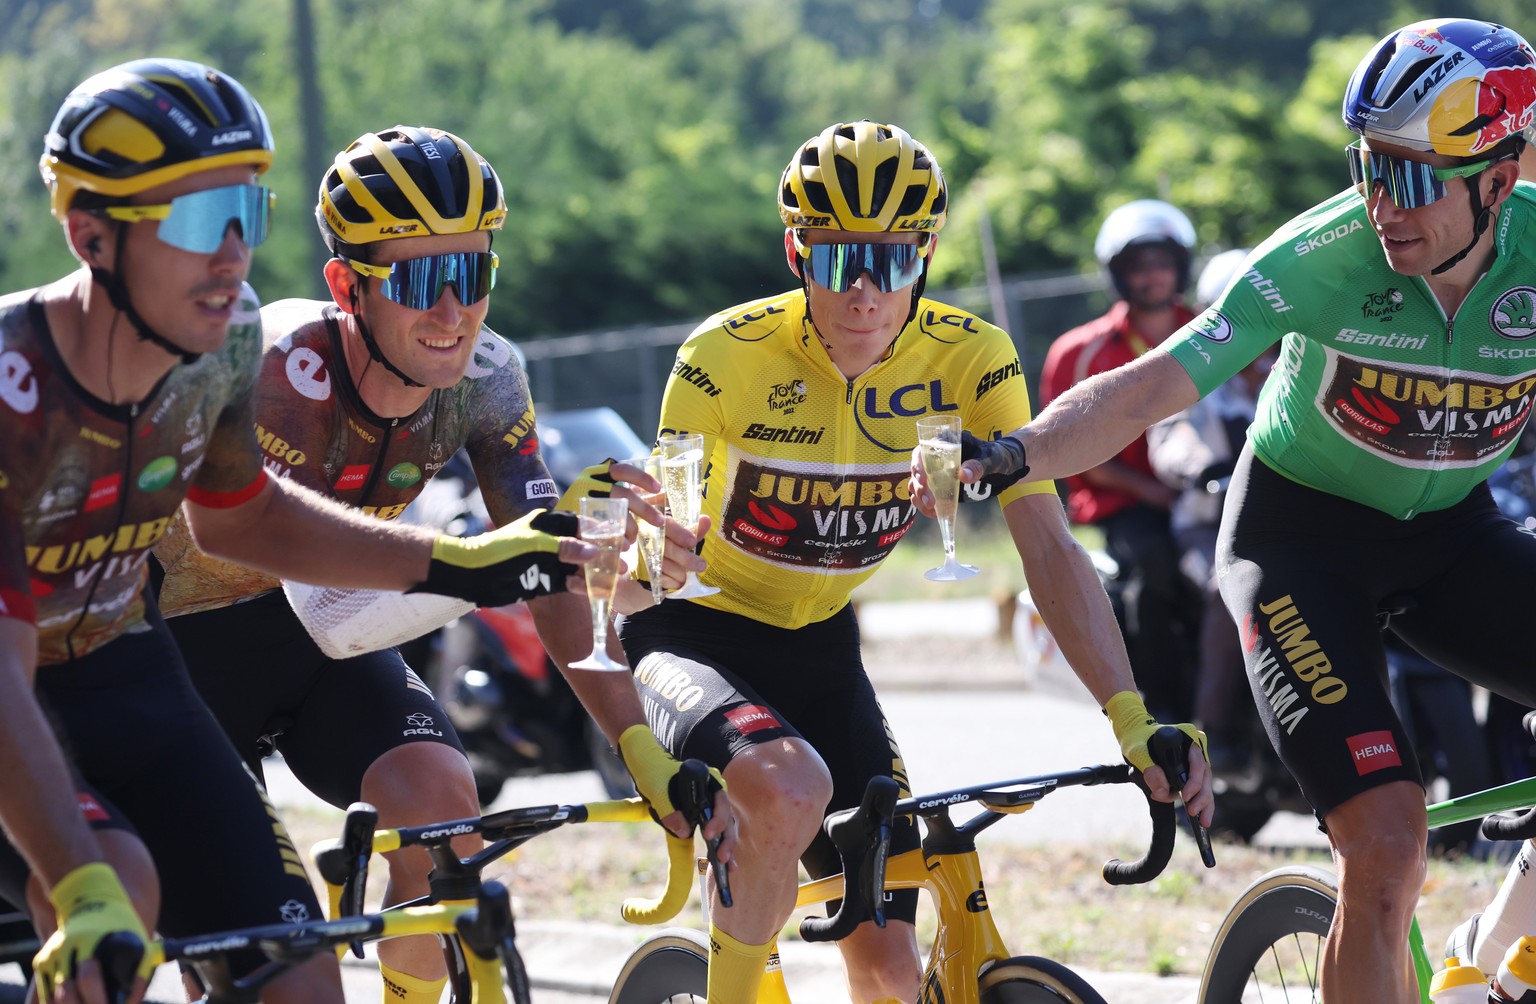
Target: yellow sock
{"points": [[402, 988], [735, 970]]}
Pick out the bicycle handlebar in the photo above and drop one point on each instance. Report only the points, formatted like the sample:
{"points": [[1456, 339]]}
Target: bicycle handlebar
{"points": [[343, 862], [1167, 747], [862, 835]]}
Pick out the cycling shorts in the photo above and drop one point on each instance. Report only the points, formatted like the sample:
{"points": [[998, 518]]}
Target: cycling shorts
{"points": [[1305, 574], [716, 683], [155, 761], [269, 685]]}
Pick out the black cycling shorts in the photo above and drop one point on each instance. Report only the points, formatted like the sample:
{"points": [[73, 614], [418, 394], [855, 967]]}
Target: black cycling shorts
{"points": [[154, 761], [1304, 574], [268, 683], [714, 683]]}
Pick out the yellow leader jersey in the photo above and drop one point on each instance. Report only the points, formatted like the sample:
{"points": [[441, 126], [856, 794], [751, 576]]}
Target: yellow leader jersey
{"points": [[806, 471]]}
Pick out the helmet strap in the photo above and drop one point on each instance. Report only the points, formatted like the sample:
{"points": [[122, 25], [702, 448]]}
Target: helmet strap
{"points": [[374, 352], [117, 294], [1481, 216]]}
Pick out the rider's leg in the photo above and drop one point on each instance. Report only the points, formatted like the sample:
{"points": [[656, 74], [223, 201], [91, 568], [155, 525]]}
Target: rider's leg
{"points": [[128, 856], [413, 785], [882, 963], [1378, 840], [779, 792]]}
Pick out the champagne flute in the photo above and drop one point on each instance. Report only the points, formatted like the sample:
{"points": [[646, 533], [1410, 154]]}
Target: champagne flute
{"points": [[653, 539], [682, 467], [602, 525], [938, 443]]}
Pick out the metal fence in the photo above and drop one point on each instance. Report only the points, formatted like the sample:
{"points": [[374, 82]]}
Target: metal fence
{"points": [[627, 369]]}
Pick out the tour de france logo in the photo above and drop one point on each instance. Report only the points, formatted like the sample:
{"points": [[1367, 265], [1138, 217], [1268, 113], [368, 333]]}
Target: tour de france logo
{"points": [[1514, 314]]}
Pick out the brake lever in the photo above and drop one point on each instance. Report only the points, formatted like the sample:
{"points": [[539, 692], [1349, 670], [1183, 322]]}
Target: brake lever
{"points": [[691, 793], [1169, 749]]}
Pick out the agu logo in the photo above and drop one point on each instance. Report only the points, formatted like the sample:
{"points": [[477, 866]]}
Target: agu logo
{"points": [[1373, 751]]}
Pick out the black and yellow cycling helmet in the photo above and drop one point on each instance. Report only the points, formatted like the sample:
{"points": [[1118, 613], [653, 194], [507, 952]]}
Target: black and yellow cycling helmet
{"points": [[863, 177], [148, 122], [406, 182]]}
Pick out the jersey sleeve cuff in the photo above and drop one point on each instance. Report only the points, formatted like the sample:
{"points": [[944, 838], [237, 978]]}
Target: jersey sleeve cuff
{"points": [[227, 500]]}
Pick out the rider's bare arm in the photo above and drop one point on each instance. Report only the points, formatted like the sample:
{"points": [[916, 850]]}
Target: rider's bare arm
{"points": [[1095, 419], [38, 807], [296, 533], [1071, 600]]}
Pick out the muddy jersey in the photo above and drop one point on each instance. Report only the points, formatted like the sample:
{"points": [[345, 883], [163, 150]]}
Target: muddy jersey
{"points": [[88, 487], [1377, 396], [313, 427], [807, 471]]}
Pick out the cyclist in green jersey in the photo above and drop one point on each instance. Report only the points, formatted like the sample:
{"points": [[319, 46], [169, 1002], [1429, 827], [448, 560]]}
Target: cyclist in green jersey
{"points": [[1406, 314]]}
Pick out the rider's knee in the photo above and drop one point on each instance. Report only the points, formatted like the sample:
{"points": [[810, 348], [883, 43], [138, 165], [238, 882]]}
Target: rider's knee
{"points": [[421, 783], [781, 782]]}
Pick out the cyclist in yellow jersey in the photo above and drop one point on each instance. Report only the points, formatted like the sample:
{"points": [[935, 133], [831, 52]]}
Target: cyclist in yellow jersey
{"points": [[126, 389], [808, 402]]}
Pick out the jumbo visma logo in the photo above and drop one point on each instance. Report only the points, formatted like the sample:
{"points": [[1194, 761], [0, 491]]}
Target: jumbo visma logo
{"points": [[157, 474]]}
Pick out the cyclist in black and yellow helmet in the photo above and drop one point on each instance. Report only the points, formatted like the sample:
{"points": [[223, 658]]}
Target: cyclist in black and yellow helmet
{"points": [[807, 402], [364, 397], [126, 390]]}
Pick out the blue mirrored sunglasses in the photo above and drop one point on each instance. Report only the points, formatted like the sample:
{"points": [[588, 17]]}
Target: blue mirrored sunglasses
{"points": [[838, 266], [1410, 184], [418, 282], [198, 221]]}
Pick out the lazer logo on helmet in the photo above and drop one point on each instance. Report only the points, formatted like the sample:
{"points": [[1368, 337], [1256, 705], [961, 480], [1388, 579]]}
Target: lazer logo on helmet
{"points": [[233, 136], [798, 220], [1433, 78], [925, 224], [400, 228]]}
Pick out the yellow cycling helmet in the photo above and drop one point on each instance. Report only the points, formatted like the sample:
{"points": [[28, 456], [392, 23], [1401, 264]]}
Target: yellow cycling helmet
{"points": [[146, 123], [406, 182], [863, 177]]}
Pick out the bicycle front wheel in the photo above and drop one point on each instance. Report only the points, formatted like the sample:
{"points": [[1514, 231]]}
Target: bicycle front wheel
{"points": [[1271, 944], [669, 968], [1031, 980]]}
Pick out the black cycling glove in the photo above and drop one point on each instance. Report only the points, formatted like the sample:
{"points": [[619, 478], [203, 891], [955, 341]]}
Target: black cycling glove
{"points": [[516, 562], [1002, 462]]}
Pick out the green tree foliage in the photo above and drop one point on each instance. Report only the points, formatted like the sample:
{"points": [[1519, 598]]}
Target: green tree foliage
{"points": [[641, 141]]}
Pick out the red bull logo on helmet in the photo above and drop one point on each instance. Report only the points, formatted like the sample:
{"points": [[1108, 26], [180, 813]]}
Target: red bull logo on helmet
{"points": [[1474, 114]]}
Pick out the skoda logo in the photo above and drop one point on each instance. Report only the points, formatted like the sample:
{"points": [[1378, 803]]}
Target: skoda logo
{"points": [[1514, 314], [1214, 327]]}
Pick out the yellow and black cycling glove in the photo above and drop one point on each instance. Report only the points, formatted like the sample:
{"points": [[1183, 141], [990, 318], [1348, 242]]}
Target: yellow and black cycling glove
{"points": [[90, 903], [1134, 725], [519, 561], [593, 482]]}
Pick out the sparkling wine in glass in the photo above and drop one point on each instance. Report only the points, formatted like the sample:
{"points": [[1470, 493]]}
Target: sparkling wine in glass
{"points": [[682, 475], [653, 539], [602, 525], [938, 444]]}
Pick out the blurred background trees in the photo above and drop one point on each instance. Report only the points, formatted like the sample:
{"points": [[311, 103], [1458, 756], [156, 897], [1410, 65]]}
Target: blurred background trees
{"points": [[641, 140]]}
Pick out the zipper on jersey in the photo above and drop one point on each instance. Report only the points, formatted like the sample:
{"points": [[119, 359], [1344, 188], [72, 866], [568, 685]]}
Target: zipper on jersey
{"points": [[122, 514], [378, 464]]}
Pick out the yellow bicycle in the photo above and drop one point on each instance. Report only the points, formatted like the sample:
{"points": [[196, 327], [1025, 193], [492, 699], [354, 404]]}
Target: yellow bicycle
{"points": [[472, 917], [969, 961]]}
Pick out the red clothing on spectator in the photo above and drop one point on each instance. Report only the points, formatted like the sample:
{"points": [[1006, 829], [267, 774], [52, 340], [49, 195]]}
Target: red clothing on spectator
{"points": [[1102, 344]]}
